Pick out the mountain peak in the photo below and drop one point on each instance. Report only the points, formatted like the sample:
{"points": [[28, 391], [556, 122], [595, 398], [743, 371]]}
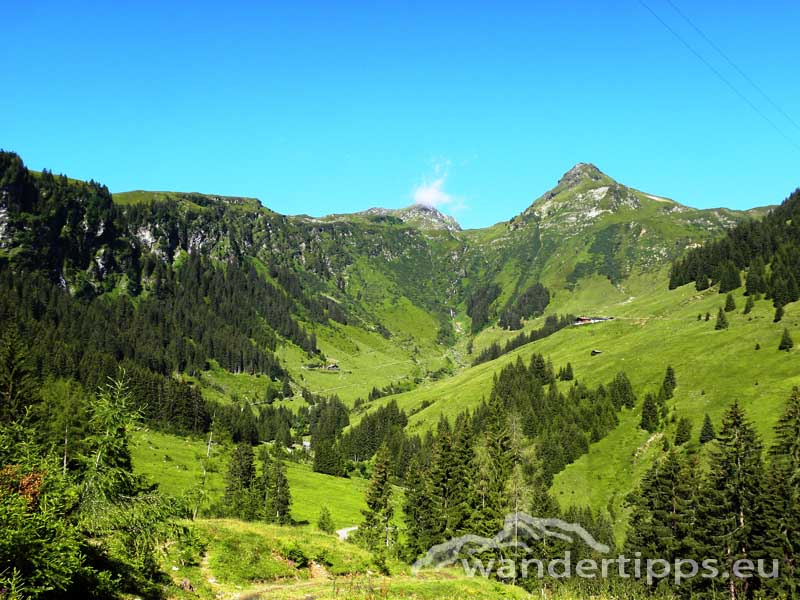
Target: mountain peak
{"points": [[425, 216], [580, 173], [422, 216]]}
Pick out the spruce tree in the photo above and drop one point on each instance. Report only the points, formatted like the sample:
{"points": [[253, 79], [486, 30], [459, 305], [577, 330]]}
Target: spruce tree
{"points": [[756, 279], [260, 491], [707, 433], [748, 305], [782, 502], [662, 520], [280, 494], [670, 383], [778, 314], [722, 320], [649, 420], [375, 532], [729, 278], [786, 341], [18, 386], [239, 480], [730, 303], [325, 522], [621, 391], [730, 518], [492, 467], [418, 512], [684, 432]]}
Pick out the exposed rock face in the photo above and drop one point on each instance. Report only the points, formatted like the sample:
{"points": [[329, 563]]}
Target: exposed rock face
{"points": [[580, 173]]}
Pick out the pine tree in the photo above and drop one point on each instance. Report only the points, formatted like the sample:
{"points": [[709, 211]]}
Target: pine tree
{"points": [[729, 278], [662, 520], [748, 305], [325, 522], [730, 517], [492, 467], [786, 341], [670, 383], [239, 481], [18, 387], [621, 391], [418, 512], [280, 494], [260, 505], [649, 420], [684, 431], [722, 320], [707, 433], [375, 533], [782, 502], [566, 373], [756, 279], [730, 303], [778, 314]]}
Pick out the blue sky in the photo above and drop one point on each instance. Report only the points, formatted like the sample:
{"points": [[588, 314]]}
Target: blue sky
{"points": [[319, 107]]}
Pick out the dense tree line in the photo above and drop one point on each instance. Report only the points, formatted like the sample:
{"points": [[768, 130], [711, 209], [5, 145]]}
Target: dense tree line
{"points": [[552, 323], [768, 249]]}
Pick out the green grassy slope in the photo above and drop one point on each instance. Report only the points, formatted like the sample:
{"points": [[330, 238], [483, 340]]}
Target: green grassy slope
{"points": [[653, 328]]}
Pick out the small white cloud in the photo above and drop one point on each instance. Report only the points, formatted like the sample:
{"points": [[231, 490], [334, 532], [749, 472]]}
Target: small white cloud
{"points": [[431, 191]]}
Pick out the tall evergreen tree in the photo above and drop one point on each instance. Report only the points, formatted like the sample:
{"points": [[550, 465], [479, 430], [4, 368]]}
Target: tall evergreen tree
{"points": [[418, 512], [730, 303], [756, 278], [782, 499], [722, 320], [239, 481], [707, 433], [376, 532], [18, 386], [621, 391], [778, 314], [649, 420], [730, 516], [670, 383], [492, 469], [280, 494], [663, 518], [729, 278], [684, 432], [786, 341], [748, 305]]}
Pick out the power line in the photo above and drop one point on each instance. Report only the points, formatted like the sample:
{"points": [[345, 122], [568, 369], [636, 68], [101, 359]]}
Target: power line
{"points": [[721, 77], [734, 65]]}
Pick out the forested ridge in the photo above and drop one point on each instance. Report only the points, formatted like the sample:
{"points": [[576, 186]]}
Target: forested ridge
{"points": [[768, 249]]}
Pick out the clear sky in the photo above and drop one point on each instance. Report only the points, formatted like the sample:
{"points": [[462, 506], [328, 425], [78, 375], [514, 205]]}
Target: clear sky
{"points": [[319, 107]]}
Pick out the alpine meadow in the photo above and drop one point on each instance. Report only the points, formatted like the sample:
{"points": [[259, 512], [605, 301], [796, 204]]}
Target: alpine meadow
{"points": [[418, 351]]}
